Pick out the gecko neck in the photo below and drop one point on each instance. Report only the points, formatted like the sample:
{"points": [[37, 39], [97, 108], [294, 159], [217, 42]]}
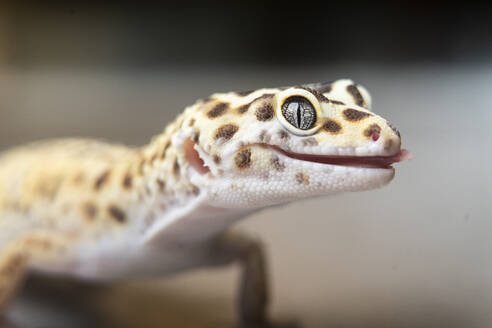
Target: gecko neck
{"points": [[164, 192]]}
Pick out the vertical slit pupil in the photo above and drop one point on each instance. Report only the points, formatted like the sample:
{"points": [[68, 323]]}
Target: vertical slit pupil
{"points": [[299, 115], [299, 112]]}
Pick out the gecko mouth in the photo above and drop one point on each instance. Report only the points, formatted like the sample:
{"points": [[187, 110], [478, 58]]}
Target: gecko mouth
{"points": [[380, 162]]}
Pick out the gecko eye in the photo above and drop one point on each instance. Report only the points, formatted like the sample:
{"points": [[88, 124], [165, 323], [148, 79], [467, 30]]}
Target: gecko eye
{"points": [[299, 112]]}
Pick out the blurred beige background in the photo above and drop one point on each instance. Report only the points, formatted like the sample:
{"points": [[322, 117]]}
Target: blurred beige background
{"points": [[413, 254]]}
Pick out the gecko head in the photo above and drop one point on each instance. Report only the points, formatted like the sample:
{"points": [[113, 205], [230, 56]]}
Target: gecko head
{"points": [[271, 146]]}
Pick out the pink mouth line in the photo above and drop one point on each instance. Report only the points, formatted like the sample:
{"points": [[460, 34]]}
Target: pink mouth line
{"points": [[382, 162]]}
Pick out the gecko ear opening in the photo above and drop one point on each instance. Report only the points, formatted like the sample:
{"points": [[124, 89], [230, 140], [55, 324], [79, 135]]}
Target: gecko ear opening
{"points": [[193, 157]]}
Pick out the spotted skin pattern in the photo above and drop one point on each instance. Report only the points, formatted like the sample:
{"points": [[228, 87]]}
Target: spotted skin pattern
{"points": [[99, 211]]}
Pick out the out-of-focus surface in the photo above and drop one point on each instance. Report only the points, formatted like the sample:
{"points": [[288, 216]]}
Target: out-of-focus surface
{"points": [[413, 254]]}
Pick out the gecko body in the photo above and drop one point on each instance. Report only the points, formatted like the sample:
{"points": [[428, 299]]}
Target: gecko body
{"points": [[99, 211]]}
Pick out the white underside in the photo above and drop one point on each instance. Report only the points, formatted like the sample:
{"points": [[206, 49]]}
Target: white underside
{"points": [[178, 240]]}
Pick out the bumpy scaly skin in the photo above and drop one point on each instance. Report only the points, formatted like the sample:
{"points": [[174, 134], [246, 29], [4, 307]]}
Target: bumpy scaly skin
{"points": [[100, 211]]}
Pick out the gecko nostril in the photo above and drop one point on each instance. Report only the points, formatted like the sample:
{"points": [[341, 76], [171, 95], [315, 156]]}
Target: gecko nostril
{"points": [[375, 136], [373, 132]]}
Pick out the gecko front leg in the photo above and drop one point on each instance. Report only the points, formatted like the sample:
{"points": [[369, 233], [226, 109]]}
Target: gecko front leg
{"points": [[253, 285], [18, 255], [13, 262]]}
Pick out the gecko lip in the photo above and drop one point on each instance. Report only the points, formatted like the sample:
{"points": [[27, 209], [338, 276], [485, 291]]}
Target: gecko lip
{"points": [[381, 162]]}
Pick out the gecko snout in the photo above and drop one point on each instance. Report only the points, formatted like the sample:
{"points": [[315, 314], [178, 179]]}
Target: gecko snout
{"points": [[391, 139]]}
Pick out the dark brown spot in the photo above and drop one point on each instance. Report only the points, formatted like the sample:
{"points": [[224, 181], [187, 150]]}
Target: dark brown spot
{"points": [[336, 102], [325, 87], [196, 137], [243, 109], [226, 131], [283, 135], [127, 180], [354, 92], [264, 136], [310, 142], [191, 122], [218, 110], [332, 126], [277, 164], [164, 150], [244, 93], [89, 210], [117, 214], [243, 158], [388, 144], [161, 184], [195, 190], [101, 180], [264, 112], [176, 167], [217, 159], [355, 115], [373, 128], [302, 178], [317, 94]]}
